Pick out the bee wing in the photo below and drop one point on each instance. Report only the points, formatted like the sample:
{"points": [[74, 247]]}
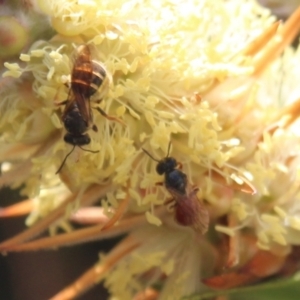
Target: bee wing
{"points": [[84, 107], [69, 104], [190, 211], [81, 80]]}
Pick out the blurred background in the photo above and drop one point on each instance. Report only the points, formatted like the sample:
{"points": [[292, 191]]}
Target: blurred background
{"points": [[38, 275]]}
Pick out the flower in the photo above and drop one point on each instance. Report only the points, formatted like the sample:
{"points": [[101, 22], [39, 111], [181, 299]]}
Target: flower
{"points": [[206, 78]]}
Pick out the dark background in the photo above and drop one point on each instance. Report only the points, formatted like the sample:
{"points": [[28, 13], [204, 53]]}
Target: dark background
{"points": [[40, 275]]}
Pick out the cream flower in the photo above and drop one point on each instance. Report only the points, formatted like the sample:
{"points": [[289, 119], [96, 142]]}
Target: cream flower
{"points": [[206, 77]]}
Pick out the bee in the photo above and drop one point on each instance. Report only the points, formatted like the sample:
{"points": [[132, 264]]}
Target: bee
{"points": [[88, 77], [189, 210]]}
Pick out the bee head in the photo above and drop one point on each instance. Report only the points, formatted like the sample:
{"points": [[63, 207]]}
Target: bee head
{"points": [[166, 165], [77, 140]]}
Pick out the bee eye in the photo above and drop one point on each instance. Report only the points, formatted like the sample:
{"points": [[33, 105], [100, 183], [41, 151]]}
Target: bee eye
{"points": [[160, 168]]}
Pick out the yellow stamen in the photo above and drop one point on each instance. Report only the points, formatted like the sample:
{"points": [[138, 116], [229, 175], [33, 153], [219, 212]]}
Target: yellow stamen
{"points": [[290, 113], [119, 213], [245, 187], [20, 172], [234, 245]]}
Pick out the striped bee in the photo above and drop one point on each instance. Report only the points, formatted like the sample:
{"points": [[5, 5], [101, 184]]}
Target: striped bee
{"points": [[88, 77]]}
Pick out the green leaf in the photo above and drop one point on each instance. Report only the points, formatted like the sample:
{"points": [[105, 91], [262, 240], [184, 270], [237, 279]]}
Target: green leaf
{"points": [[274, 290]]}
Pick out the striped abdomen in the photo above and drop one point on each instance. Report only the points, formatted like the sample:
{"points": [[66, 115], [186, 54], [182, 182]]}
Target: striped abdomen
{"points": [[88, 78]]}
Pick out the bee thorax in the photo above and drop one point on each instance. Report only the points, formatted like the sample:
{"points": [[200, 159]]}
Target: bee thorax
{"points": [[176, 180], [74, 123]]}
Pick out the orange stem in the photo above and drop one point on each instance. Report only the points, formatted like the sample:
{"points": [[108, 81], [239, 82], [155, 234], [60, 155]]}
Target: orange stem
{"points": [[283, 38], [18, 209], [92, 194], [96, 273], [257, 44], [79, 236]]}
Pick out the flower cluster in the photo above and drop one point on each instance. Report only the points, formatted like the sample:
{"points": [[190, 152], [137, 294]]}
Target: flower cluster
{"points": [[216, 80]]}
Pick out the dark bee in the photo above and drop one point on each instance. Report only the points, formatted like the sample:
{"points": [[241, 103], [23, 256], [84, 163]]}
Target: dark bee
{"points": [[88, 77], [189, 211]]}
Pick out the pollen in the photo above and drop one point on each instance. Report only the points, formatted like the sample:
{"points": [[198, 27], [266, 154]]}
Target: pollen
{"points": [[225, 230], [14, 70], [25, 57], [240, 209], [295, 222], [152, 219]]}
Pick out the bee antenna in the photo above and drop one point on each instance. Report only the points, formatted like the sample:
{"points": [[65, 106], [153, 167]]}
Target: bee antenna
{"points": [[150, 155], [169, 148], [92, 151], [63, 162]]}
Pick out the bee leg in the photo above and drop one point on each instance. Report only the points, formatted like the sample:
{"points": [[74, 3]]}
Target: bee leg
{"points": [[170, 203], [95, 128], [61, 103], [195, 189], [169, 200], [179, 165], [111, 118]]}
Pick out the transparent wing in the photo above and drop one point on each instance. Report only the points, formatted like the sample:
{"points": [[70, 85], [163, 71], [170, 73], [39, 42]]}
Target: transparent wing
{"points": [[190, 211], [81, 80]]}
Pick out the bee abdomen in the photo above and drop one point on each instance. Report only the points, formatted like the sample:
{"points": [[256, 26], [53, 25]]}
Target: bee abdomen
{"points": [[86, 81], [99, 78]]}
